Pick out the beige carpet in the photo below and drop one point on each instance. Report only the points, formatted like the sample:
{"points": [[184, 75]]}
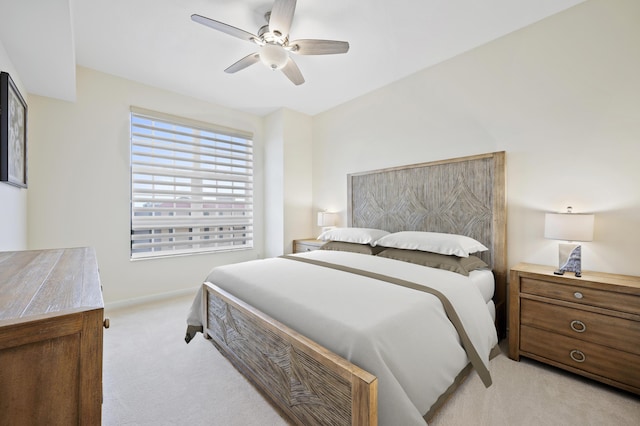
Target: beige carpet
{"points": [[151, 377]]}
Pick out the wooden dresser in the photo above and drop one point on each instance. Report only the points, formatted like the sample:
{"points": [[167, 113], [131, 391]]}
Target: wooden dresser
{"points": [[588, 325], [51, 319]]}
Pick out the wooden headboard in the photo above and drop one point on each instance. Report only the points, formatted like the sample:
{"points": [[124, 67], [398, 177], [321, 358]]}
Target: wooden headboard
{"points": [[465, 195]]}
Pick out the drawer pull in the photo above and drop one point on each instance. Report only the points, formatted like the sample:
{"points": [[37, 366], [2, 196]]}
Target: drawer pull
{"points": [[578, 326], [578, 295], [577, 356]]}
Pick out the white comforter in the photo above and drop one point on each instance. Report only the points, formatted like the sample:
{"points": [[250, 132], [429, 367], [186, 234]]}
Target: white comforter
{"points": [[401, 336]]}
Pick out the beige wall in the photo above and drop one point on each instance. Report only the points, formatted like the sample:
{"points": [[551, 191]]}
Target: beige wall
{"points": [[79, 181], [298, 214], [561, 97], [13, 200], [274, 183], [288, 189]]}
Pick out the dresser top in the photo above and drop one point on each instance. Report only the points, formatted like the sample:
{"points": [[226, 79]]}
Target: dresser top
{"points": [[630, 282], [43, 282]]}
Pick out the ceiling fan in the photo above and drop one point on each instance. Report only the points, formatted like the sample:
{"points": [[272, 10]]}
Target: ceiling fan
{"points": [[273, 42]]}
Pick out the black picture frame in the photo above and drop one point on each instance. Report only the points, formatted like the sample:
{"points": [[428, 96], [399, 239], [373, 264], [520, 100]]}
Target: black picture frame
{"points": [[13, 133]]}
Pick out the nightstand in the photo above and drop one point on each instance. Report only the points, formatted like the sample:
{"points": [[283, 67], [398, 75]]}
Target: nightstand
{"points": [[311, 244], [588, 325]]}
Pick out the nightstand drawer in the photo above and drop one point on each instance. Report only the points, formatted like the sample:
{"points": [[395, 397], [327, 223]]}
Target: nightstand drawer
{"points": [[301, 246], [605, 330], [608, 363], [582, 295]]}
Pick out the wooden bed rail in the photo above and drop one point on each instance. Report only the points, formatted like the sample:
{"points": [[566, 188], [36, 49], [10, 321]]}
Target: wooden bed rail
{"points": [[309, 383]]}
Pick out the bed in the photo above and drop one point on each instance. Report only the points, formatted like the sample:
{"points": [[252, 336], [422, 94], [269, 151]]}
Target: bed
{"points": [[305, 357]]}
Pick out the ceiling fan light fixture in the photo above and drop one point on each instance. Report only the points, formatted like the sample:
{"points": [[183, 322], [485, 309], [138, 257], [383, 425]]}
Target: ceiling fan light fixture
{"points": [[274, 56], [273, 42]]}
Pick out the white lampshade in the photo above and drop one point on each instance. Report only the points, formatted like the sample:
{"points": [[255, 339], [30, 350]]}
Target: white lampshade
{"points": [[568, 226], [274, 56], [326, 219]]}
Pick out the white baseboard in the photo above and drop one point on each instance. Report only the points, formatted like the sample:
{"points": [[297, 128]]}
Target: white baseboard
{"points": [[150, 299]]}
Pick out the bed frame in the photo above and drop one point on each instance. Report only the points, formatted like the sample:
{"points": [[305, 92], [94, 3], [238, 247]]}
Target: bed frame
{"points": [[309, 383]]}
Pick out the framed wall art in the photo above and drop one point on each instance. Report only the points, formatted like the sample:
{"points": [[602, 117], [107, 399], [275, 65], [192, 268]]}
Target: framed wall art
{"points": [[13, 133]]}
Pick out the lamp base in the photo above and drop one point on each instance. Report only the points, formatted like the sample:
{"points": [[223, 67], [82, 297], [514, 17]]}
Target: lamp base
{"points": [[561, 272], [570, 257]]}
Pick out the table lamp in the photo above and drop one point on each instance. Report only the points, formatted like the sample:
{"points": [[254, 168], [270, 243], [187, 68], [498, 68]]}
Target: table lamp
{"points": [[326, 220], [569, 227]]}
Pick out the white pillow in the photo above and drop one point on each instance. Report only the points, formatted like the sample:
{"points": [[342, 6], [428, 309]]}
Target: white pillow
{"points": [[434, 242], [353, 235]]}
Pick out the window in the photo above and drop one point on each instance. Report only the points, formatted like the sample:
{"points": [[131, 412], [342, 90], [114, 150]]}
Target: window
{"points": [[191, 186]]}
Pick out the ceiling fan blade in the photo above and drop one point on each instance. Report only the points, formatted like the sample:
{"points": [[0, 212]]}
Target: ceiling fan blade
{"points": [[293, 73], [318, 47], [225, 28], [282, 16], [243, 63]]}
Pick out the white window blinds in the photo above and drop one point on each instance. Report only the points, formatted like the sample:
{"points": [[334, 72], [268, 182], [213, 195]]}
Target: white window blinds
{"points": [[191, 186]]}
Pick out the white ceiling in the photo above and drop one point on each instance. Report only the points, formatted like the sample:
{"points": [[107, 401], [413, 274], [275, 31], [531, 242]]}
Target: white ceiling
{"points": [[156, 43]]}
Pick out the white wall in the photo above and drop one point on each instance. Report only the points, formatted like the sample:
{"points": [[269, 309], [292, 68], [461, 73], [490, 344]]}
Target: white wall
{"points": [[13, 200], [298, 197], [79, 181], [288, 188], [274, 184], [561, 97]]}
